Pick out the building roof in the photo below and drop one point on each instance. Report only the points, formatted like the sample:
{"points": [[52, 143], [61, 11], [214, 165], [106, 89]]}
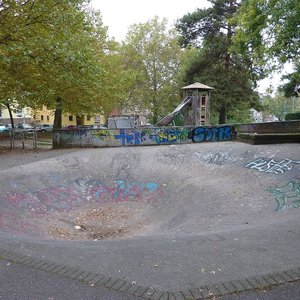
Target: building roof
{"points": [[197, 85]]}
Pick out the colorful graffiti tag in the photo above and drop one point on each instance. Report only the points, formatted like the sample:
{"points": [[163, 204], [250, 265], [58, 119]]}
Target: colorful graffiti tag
{"points": [[130, 137], [286, 196], [18, 207], [213, 134], [169, 135], [159, 136], [142, 136], [267, 165]]}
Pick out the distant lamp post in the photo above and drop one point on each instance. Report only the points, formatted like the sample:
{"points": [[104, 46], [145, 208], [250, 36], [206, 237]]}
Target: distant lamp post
{"points": [[24, 116], [296, 90]]}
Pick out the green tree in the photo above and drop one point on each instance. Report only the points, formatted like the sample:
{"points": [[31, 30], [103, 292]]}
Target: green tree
{"points": [[269, 29], [277, 106], [211, 30], [292, 87], [56, 54], [153, 60]]}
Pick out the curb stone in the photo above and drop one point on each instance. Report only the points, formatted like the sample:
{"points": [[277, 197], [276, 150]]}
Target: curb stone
{"points": [[123, 286]]}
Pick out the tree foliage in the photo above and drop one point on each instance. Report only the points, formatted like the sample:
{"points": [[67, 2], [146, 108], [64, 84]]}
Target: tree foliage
{"points": [[269, 29], [211, 30], [275, 105], [56, 53], [292, 87], [153, 60]]}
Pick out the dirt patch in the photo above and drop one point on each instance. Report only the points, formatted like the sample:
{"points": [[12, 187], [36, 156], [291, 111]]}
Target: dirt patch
{"points": [[110, 221]]}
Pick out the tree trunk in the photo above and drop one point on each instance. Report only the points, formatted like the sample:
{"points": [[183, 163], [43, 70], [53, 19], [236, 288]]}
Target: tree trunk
{"points": [[58, 114], [10, 115], [155, 116], [222, 115], [227, 66]]}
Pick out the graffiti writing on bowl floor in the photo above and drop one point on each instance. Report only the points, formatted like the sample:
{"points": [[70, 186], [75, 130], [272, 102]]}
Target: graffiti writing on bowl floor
{"points": [[286, 196], [220, 158], [268, 165], [22, 206]]}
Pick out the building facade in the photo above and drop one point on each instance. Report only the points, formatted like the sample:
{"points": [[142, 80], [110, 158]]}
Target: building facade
{"points": [[46, 116]]}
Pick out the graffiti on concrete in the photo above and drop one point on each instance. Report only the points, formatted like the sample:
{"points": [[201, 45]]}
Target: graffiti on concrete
{"points": [[142, 136], [169, 135], [124, 164], [71, 163], [20, 207], [217, 158], [268, 165], [133, 189], [220, 158], [286, 196], [156, 135], [213, 134], [79, 132], [105, 136], [129, 137]]}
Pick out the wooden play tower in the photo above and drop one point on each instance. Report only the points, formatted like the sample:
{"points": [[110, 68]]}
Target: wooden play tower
{"points": [[198, 110]]}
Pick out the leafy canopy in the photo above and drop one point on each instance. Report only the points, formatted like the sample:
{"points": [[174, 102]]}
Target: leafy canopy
{"points": [[211, 30], [269, 30], [153, 58], [53, 50]]}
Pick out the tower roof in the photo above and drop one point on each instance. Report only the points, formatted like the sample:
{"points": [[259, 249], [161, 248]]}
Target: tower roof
{"points": [[197, 85]]}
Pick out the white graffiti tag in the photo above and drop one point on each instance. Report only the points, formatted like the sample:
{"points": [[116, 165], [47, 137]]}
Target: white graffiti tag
{"points": [[272, 166], [286, 196]]}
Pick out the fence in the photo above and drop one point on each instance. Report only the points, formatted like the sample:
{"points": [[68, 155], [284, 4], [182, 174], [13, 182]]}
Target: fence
{"points": [[18, 139]]}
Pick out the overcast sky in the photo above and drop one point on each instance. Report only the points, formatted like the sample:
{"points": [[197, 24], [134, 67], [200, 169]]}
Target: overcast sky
{"points": [[118, 15]]}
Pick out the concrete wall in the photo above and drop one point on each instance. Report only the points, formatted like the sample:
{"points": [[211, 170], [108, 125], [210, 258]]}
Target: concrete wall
{"points": [[272, 132], [269, 133], [140, 136], [269, 127]]}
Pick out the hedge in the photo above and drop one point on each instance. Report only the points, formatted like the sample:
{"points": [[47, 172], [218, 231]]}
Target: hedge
{"points": [[292, 116]]}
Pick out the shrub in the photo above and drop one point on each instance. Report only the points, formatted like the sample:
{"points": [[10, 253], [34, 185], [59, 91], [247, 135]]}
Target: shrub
{"points": [[292, 116]]}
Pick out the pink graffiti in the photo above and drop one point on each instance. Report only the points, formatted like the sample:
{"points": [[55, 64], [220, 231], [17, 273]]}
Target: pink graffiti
{"points": [[19, 207]]}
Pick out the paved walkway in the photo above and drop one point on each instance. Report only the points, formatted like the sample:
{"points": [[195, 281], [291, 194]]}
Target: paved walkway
{"points": [[186, 221]]}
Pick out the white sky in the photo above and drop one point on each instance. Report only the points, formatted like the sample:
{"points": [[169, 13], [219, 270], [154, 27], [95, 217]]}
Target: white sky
{"points": [[118, 15]]}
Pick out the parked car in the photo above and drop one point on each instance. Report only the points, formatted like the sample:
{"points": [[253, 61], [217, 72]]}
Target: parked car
{"points": [[99, 126], [44, 128], [70, 127], [25, 127], [86, 127], [3, 128]]}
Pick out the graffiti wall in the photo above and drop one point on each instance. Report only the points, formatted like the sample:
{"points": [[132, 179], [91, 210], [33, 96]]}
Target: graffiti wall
{"points": [[140, 136]]}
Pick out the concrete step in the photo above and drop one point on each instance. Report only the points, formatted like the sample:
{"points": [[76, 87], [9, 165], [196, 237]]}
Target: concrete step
{"points": [[268, 138]]}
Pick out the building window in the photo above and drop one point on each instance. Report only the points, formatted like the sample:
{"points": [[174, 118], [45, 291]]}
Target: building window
{"points": [[88, 118], [70, 118], [19, 113], [34, 117], [42, 118], [48, 118], [0, 113]]}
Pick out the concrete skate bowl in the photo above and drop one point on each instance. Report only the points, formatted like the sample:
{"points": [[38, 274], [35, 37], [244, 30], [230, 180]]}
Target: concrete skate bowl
{"points": [[170, 217]]}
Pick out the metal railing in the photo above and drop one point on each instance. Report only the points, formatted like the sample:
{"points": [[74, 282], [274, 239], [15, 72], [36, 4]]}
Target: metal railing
{"points": [[23, 136]]}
